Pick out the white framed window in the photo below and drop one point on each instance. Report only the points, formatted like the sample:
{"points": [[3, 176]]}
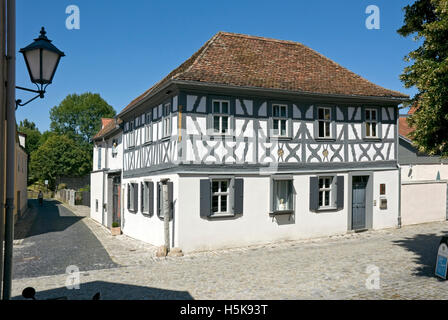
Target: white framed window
{"points": [[148, 127], [114, 148], [131, 135], [280, 120], [327, 192], [283, 195], [220, 196], [99, 157], [166, 120], [324, 122], [145, 197], [133, 197], [221, 116], [371, 123]]}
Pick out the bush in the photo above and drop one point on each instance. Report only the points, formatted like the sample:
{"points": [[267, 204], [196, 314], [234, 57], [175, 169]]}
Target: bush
{"points": [[115, 225], [62, 186]]}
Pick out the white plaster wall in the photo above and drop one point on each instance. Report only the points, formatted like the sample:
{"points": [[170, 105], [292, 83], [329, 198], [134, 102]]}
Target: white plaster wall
{"points": [[115, 163], [427, 172], [423, 202], [144, 228], [96, 193], [255, 226], [385, 218]]}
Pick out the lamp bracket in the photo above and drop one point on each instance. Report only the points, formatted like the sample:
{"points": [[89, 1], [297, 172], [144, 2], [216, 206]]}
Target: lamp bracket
{"points": [[40, 94]]}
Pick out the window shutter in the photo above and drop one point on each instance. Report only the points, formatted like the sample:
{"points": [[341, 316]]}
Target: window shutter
{"points": [[129, 196], [150, 198], [314, 193], [135, 187], [205, 198], [270, 127], [142, 199], [290, 129], [238, 196], [340, 192], [159, 206], [170, 198]]}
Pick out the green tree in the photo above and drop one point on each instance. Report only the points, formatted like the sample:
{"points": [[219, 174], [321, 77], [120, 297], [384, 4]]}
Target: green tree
{"points": [[428, 21], [60, 156], [79, 116], [33, 135]]}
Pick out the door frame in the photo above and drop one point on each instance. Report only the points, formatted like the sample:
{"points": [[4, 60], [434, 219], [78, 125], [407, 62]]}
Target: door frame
{"points": [[369, 199]]}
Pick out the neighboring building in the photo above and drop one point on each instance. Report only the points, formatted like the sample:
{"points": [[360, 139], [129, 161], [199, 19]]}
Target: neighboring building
{"points": [[262, 140], [105, 179], [21, 177], [423, 180]]}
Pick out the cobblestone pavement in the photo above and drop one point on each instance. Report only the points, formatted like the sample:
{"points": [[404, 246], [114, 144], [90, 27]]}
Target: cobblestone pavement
{"points": [[57, 239], [328, 268]]}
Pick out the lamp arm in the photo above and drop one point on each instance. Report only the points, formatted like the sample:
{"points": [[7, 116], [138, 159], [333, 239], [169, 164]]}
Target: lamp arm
{"points": [[40, 93]]}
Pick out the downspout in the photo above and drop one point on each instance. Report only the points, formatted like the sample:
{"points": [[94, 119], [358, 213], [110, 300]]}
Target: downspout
{"points": [[399, 196], [397, 141], [2, 131], [102, 193]]}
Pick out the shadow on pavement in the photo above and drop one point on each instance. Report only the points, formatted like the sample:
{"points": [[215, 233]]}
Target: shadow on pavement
{"points": [[111, 291], [425, 247], [51, 218]]}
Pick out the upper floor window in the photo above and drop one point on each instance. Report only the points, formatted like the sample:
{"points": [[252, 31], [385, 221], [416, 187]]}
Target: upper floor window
{"points": [[221, 117], [131, 137], [148, 128], [114, 148], [324, 122], [99, 157], [280, 120], [371, 116], [166, 120]]}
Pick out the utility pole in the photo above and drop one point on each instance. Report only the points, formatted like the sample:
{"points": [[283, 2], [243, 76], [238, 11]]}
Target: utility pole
{"points": [[166, 213], [2, 132], [10, 145]]}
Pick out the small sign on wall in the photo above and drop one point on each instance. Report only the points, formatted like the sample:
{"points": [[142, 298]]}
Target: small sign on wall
{"points": [[382, 189]]}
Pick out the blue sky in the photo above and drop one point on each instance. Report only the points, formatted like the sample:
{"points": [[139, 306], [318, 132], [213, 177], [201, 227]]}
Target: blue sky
{"points": [[123, 47]]}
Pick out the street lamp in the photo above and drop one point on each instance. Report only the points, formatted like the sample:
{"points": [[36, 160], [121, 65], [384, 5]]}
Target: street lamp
{"points": [[42, 59]]}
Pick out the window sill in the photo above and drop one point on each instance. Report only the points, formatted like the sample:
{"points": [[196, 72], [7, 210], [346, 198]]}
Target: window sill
{"points": [[327, 209], [165, 138], [281, 138], [277, 213], [325, 139], [372, 139], [221, 215]]}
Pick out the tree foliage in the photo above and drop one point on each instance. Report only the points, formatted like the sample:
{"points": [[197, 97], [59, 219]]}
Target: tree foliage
{"points": [[60, 156], [79, 116], [33, 135], [428, 20]]}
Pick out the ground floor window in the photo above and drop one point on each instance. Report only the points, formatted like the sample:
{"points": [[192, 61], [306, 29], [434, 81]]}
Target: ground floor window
{"points": [[326, 192], [220, 196], [283, 195], [133, 197]]}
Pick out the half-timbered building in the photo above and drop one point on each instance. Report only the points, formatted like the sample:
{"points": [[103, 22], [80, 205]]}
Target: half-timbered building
{"points": [[261, 140]]}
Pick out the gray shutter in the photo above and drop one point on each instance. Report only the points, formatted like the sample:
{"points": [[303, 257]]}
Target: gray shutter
{"points": [[314, 193], [129, 196], [290, 129], [340, 192], [142, 198], [170, 198], [159, 206], [205, 198], [135, 197], [238, 196], [150, 198]]}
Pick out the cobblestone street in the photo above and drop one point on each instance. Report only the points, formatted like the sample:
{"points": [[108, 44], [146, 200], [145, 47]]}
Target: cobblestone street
{"points": [[327, 268]]}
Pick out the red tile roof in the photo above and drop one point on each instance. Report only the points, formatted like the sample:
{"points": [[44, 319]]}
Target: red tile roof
{"points": [[404, 128], [108, 125], [249, 61]]}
